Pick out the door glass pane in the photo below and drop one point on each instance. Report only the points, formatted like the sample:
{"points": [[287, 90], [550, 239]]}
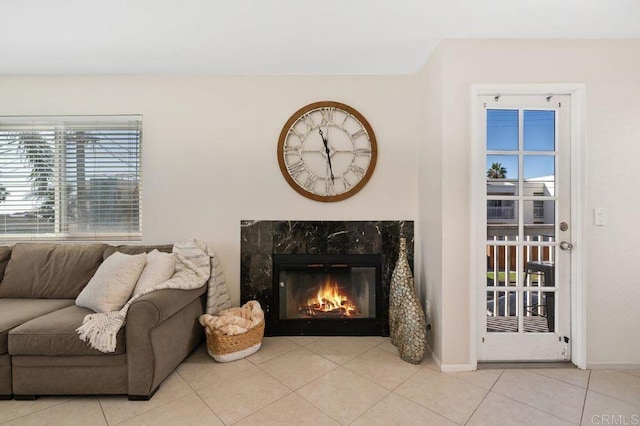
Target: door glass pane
{"points": [[502, 174], [502, 211], [502, 220], [502, 129], [539, 130], [499, 232], [539, 175], [501, 265], [538, 311], [502, 311], [539, 220]]}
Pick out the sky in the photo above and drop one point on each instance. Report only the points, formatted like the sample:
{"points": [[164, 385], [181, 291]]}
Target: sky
{"points": [[538, 136]]}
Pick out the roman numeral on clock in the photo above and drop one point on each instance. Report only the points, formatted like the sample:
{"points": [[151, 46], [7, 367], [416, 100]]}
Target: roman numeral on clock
{"points": [[296, 169], [327, 116], [308, 120], [310, 183], [358, 134], [357, 170]]}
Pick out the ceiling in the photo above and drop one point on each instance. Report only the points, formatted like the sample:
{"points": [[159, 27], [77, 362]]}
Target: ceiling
{"points": [[279, 36]]}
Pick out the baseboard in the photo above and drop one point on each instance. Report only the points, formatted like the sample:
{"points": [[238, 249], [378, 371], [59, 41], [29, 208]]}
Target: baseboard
{"points": [[515, 365], [450, 368], [613, 366], [454, 368]]}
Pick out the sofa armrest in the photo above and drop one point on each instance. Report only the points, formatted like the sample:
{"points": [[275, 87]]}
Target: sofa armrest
{"points": [[157, 306], [162, 329]]}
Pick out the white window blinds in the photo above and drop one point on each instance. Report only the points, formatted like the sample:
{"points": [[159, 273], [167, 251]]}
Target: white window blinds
{"points": [[70, 177]]}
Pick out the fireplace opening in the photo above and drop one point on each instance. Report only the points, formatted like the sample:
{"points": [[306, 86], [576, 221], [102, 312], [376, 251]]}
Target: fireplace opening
{"points": [[327, 294]]}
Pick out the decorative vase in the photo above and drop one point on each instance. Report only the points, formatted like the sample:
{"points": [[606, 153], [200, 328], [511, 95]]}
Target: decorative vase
{"points": [[401, 274], [407, 322]]}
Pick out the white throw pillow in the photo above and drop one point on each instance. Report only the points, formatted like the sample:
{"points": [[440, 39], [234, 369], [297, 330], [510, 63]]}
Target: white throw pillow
{"points": [[111, 286], [160, 267]]}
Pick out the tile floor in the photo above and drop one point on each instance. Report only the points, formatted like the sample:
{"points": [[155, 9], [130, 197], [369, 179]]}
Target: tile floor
{"points": [[349, 381]]}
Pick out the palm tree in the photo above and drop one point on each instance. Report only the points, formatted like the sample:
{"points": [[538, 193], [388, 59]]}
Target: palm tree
{"points": [[497, 171], [39, 154], [3, 193]]}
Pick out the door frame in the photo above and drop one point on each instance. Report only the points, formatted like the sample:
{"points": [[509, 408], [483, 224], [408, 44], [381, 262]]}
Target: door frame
{"points": [[577, 92]]}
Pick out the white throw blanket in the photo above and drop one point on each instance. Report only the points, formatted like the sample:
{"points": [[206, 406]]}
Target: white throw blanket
{"points": [[217, 293], [193, 269]]}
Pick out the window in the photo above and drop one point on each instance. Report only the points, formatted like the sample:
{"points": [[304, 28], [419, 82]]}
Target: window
{"points": [[500, 210], [70, 178], [538, 208]]}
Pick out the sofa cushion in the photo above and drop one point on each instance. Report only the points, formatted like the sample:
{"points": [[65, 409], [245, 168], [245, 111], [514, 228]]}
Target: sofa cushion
{"points": [[14, 312], [113, 283], [5, 255], [50, 271], [167, 248], [55, 334]]}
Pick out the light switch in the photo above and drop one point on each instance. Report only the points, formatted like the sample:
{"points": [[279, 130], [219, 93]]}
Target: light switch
{"points": [[599, 216]]}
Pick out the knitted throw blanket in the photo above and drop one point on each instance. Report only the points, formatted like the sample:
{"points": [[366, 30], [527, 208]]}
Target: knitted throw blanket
{"points": [[193, 269]]}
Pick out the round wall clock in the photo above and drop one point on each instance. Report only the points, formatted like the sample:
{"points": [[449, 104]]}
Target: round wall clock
{"points": [[327, 151]]}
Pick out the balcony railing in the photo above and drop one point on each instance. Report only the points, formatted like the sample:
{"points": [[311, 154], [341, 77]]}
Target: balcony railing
{"points": [[501, 212], [505, 270]]}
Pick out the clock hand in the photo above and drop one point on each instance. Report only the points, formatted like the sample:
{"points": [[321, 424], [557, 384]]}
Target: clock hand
{"points": [[326, 149]]}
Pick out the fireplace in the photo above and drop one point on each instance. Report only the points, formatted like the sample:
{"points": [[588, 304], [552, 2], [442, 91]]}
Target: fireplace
{"points": [[264, 241], [327, 294]]}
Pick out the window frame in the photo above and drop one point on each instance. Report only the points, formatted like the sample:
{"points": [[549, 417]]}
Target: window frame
{"points": [[62, 126]]}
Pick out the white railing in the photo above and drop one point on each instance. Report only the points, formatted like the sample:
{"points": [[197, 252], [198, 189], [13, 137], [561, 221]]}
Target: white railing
{"points": [[503, 302]]}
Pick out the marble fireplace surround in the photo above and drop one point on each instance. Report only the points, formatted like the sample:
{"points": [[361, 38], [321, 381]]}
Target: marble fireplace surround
{"points": [[261, 239]]}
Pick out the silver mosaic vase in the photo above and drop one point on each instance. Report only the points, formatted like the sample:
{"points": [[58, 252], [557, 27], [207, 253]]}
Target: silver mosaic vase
{"points": [[400, 278], [407, 322]]}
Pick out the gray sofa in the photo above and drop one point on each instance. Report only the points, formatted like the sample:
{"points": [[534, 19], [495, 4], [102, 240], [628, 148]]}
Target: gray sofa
{"points": [[40, 351]]}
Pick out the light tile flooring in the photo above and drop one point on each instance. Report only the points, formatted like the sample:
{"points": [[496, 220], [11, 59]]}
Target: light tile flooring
{"points": [[349, 381]]}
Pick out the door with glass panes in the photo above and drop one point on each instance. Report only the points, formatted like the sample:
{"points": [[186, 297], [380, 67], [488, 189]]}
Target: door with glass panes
{"points": [[524, 291]]}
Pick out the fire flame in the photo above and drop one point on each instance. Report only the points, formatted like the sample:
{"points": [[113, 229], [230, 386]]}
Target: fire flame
{"points": [[328, 299]]}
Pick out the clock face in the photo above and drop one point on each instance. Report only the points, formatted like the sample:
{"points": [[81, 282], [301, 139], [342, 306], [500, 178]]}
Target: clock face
{"points": [[327, 151]]}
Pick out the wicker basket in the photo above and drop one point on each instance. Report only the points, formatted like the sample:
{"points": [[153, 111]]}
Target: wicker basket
{"points": [[225, 348]]}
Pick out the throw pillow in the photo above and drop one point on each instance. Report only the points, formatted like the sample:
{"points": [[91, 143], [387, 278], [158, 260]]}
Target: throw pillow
{"points": [[160, 267], [111, 286]]}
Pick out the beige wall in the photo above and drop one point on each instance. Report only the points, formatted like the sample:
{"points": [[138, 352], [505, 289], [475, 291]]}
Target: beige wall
{"points": [[610, 69], [209, 147]]}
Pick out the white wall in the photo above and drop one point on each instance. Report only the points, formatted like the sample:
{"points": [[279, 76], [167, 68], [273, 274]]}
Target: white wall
{"points": [[429, 227], [611, 71], [209, 147]]}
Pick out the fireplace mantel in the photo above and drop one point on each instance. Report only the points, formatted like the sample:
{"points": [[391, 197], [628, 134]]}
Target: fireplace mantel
{"points": [[260, 240]]}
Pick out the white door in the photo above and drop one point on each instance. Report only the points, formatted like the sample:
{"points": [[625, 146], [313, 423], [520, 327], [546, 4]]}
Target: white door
{"points": [[524, 291]]}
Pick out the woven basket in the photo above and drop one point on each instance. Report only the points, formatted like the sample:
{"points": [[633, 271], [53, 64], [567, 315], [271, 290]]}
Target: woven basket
{"points": [[225, 348]]}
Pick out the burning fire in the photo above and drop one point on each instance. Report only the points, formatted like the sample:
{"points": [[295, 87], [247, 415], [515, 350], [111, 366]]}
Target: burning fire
{"points": [[329, 300]]}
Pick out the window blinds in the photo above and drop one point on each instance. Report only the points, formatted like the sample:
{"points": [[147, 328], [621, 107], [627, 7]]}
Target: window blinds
{"points": [[70, 177]]}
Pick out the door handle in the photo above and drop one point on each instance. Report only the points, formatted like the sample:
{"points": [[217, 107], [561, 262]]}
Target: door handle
{"points": [[565, 245]]}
